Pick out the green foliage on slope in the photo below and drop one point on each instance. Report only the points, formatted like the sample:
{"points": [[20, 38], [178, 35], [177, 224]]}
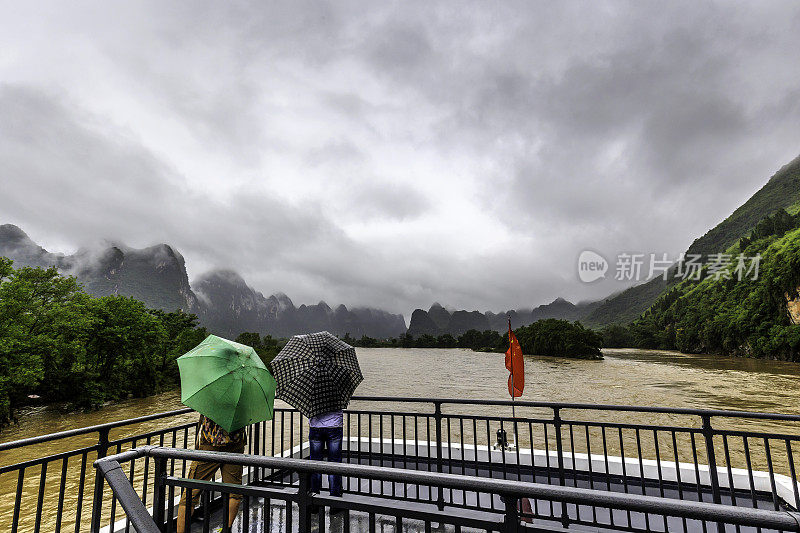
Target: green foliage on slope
{"points": [[726, 315], [628, 305], [782, 191]]}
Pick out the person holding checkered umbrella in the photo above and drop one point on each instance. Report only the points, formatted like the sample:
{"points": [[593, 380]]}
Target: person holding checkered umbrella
{"points": [[317, 374]]}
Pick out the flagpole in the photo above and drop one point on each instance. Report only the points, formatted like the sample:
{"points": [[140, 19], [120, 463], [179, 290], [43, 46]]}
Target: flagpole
{"points": [[513, 390]]}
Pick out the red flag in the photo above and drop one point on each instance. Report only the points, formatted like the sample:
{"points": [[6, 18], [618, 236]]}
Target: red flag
{"points": [[515, 365]]}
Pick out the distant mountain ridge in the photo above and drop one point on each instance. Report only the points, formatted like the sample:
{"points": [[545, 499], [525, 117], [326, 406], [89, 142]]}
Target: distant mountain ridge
{"points": [[222, 300], [231, 304], [155, 275], [438, 321]]}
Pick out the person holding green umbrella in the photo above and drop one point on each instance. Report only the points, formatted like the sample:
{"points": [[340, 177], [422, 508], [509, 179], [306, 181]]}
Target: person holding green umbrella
{"points": [[228, 384]]}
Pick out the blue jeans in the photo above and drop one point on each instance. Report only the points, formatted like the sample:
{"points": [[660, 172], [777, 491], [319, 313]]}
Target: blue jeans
{"points": [[319, 438]]}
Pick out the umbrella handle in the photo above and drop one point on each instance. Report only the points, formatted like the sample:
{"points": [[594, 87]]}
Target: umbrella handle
{"points": [[197, 432]]}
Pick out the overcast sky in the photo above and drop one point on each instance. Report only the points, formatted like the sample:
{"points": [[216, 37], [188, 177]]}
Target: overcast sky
{"points": [[393, 154]]}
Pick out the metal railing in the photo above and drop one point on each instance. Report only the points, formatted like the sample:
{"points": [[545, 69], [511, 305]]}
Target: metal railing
{"points": [[59, 480], [42, 492], [507, 519], [709, 456]]}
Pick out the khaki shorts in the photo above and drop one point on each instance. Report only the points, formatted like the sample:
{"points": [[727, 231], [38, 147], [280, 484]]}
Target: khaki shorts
{"points": [[207, 471]]}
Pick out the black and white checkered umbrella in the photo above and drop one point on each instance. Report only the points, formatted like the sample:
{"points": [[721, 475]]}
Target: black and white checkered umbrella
{"points": [[316, 373]]}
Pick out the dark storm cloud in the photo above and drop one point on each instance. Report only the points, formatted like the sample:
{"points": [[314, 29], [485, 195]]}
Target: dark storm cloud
{"points": [[395, 154], [95, 182]]}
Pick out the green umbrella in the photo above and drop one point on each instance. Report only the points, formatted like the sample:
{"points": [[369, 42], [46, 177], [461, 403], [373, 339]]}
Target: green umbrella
{"points": [[227, 382]]}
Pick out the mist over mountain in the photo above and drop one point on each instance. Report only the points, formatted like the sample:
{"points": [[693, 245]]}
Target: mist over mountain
{"points": [[231, 305], [222, 300], [155, 275], [437, 320], [227, 305]]}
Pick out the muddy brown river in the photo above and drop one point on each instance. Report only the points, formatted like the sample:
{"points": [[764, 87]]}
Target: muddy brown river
{"points": [[631, 377]]}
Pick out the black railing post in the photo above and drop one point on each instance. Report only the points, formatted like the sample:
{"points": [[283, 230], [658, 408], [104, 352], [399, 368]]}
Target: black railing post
{"points": [[159, 493], [256, 450], [560, 452], [437, 414], [304, 502], [511, 519], [708, 435], [97, 500]]}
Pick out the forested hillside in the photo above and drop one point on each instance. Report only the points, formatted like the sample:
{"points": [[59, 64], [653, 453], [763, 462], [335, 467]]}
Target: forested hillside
{"points": [[782, 191], [724, 314]]}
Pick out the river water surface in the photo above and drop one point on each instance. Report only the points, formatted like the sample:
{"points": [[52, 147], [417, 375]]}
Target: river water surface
{"points": [[625, 376]]}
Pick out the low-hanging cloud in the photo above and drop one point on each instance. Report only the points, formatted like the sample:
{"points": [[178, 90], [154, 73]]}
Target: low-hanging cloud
{"points": [[394, 155]]}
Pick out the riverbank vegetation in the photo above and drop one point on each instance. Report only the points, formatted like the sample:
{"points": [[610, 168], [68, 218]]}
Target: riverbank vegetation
{"points": [[726, 315], [266, 347], [553, 337], [479, 341], [59, 344], [560, 338]]}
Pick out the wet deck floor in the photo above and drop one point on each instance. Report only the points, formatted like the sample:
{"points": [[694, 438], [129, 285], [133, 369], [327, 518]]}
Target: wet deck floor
{"points": [[275, 517]]}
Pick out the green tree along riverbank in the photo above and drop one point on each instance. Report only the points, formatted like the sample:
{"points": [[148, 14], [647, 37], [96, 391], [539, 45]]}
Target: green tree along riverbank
{"points": [[60, 344], [725, 315], [551, 336]]}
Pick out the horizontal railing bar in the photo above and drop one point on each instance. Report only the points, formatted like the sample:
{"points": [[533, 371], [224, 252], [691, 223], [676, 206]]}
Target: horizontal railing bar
{"points": [[782, 520], [549, 421], [623, 425], [124, 457], [585, 406], [90, 429], [575, 422], [72, 453], [111, 425], [154, 433], [290, 493], [485, 418], [48, 459], [450, 401], [395, 413], [755, 434], [282, 492], [565, 421]]}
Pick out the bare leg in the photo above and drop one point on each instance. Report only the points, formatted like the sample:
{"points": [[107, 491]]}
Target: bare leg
{"points": [[233, 509], [182, 516]]}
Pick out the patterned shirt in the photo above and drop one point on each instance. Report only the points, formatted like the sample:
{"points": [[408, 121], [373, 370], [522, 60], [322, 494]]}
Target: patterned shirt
{"points": [[211, 433]]}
